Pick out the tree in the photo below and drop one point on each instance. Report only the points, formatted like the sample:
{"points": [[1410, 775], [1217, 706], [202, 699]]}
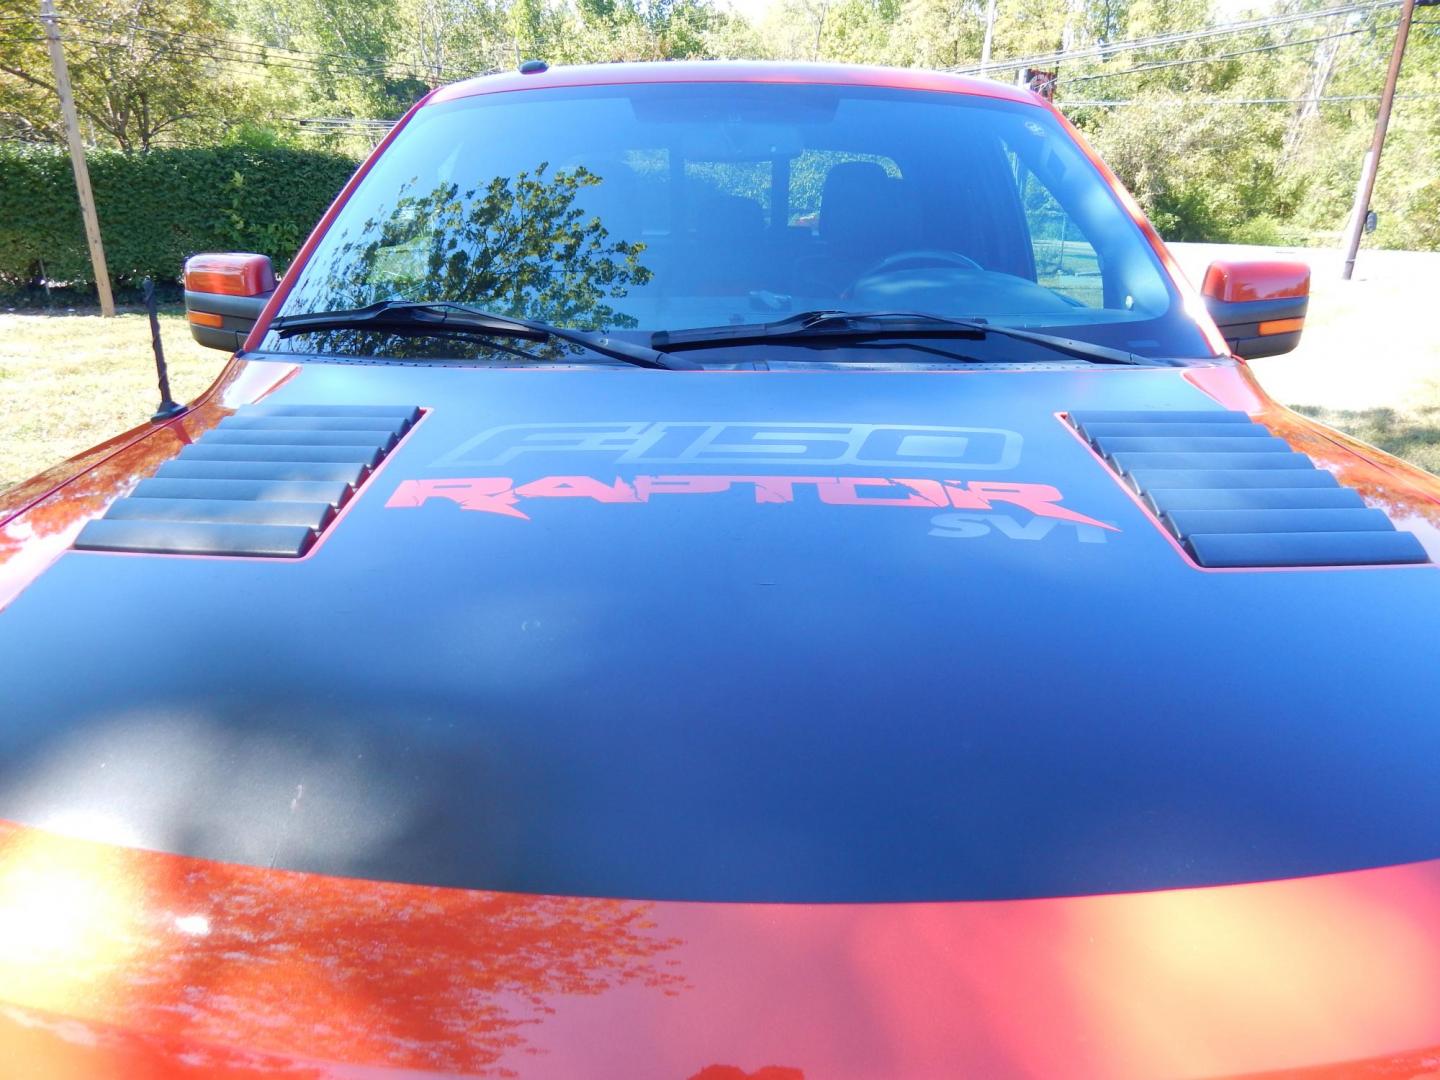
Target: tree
{"points": [[451, 39], [143, 71], [1199, 174], [1329, 149], [521, 245], [936, 33]]}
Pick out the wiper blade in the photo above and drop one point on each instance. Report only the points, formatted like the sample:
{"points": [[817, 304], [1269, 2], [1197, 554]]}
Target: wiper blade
{"points": [[863, 325], [446, 317]]}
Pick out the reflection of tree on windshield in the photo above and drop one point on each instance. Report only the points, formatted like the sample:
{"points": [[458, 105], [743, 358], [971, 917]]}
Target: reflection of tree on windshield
{"points": [[524, 245]]}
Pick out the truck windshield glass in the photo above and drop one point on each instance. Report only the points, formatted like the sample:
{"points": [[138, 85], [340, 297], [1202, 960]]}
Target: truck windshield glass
{"points": [[640, 208]]}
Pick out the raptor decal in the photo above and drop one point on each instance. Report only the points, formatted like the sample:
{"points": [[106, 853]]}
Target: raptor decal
{"points": [[503, 495]]}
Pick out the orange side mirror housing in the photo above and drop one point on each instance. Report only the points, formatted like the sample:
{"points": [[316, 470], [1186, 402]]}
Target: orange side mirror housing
{"points": [[224, 295], [1259, 306]]}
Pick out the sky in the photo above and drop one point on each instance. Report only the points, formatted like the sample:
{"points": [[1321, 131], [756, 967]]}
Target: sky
{"points": [[753, 10]]}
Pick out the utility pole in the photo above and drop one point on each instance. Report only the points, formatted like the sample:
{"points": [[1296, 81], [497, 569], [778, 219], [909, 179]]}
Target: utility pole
{"points": [[824, 9], [77, 159], [1322, 67], [989, 37], [1371, 165]]}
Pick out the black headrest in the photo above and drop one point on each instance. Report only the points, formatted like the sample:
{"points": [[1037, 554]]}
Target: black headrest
{"points": [[860, 210]]}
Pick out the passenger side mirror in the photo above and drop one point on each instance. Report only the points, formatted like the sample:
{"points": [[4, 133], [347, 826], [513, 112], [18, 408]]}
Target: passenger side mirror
{"points": [[1258, 306], [224, 295]]}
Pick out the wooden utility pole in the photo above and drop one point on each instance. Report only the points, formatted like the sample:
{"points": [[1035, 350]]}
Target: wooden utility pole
{"points": [[77, 159], [1371, 165], [989, 38]]}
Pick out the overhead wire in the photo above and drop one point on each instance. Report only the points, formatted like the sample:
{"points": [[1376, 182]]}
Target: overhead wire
{"points": [[1104, 50], [1205, 102], [406, 67], [1185, 61], [238, 51], [230, 50]]}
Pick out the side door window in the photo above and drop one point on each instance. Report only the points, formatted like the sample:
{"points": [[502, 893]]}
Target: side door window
{"points": [[1065, 260]]}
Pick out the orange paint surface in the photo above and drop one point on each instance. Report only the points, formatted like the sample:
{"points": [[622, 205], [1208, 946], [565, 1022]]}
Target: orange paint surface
{"points": [[230, 274], [1267, 280], [40, 518], [1281, 326], [1408, 495], [119, 962]]}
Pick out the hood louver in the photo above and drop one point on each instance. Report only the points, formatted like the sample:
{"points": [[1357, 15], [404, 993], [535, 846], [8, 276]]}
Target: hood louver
{"points": [[1235, 495], [264, 482]]}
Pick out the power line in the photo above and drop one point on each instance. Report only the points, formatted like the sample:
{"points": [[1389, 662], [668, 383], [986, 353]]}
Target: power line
{"points": [[1202, 102], [407, 68], [250, 52], [1216, 57], [328, 123], [1179, 37], [225, 54], [216, 55], [298, 56]]}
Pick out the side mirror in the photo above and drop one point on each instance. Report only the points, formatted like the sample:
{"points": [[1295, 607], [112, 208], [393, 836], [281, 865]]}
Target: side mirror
{"points": [[224, 295], [1258, 306]]}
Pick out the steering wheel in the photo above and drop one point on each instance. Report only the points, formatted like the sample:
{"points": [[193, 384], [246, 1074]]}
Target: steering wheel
{"points": [[915, 258]]}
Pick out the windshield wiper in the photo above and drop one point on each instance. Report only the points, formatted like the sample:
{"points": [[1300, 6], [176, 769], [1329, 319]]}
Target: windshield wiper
{"points": [[448, 318], [863, 325]]}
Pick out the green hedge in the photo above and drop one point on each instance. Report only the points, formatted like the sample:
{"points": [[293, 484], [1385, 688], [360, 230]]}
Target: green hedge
{"points": [[156, 209]]}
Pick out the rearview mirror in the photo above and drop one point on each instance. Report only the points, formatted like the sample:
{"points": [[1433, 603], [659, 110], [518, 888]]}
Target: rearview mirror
{"points": [[224, 295], [1258, 306]]}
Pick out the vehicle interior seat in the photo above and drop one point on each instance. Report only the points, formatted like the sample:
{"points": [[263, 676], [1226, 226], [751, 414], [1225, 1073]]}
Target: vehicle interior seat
{"points": [[729, 254], [865, 216]]}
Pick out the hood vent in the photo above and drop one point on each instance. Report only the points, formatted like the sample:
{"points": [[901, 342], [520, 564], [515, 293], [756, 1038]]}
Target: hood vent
{"points": [[264, 482], [1235, 495]]}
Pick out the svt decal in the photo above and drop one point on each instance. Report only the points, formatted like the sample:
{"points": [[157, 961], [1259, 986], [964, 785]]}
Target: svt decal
{"points": [[974, 526], [503, 496]]}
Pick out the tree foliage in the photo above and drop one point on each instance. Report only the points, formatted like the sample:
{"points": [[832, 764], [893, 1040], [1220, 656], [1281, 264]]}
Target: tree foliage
{"points": [[518, 244], [1219, 137], [143, 73]]}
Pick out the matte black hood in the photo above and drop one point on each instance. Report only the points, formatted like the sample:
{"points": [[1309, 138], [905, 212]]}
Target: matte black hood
{"points": [[760, 636]]}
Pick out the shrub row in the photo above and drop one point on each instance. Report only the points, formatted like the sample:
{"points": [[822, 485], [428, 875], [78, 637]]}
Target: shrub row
{"points": [[157, 209]]}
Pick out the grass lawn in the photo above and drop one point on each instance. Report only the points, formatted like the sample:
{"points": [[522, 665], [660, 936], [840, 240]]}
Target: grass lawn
{"points": [[1412, 433], [69, 381]]}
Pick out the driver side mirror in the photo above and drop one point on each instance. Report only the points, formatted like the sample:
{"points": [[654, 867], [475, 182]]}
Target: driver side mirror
{"points": [[224, 295], [1258, 306]]}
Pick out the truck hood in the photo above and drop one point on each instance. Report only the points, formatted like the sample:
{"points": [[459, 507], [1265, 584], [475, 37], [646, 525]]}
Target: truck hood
{"points": [[754, 636], [117, 963]]}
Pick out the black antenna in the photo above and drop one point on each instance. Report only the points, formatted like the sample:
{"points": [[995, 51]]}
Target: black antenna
{"points": [[168, 406]]}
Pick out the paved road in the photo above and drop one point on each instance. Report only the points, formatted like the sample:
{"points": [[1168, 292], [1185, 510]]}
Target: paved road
{"points": [[1371, 342]]}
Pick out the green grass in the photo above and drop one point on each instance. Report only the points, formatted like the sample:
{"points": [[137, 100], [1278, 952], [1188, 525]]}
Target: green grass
{"points": [[1412, 434], [69, 381]]}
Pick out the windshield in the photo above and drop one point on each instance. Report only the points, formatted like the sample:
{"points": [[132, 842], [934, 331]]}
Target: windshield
{"points": [[660, 207]]}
